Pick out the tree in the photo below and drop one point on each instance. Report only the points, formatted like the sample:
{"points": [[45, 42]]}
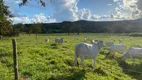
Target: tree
{"points": [[37, 28], [5, 25], [29, 29], [18, 28], [43, 29], [78, 29], [67, 26], [109, 29], [3, 11], [6, 28]]}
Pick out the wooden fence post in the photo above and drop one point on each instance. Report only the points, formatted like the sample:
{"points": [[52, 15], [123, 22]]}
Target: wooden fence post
{"points": [[15, 60]]}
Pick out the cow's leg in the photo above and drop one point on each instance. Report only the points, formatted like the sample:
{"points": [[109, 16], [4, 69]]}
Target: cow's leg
{"points": [[94, 62], [82, 62], [133, 60], [75, 60]]}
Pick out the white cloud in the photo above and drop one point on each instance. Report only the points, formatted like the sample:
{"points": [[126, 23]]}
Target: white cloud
{"points": [[84, 14], [128, 9], [20, 20], [68, 10], [116, 0], [38, 18], [64, 10], [95, 16], [109, 4], [18, 1]]}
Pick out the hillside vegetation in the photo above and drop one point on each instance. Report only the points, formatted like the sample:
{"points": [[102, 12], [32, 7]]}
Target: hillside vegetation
{"points": [[125, 26], [39, 60]]}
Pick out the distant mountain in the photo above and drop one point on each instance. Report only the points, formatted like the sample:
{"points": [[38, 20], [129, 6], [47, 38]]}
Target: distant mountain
{"points": [[137, 21], [96, 26]]}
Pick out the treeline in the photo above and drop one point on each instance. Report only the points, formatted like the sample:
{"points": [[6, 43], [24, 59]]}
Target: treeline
{"points": [[64, 27], [88, 27], [76, 27]]}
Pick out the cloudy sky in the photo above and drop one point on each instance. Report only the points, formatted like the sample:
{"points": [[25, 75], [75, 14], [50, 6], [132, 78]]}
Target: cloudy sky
{"points": [[73, 10]]}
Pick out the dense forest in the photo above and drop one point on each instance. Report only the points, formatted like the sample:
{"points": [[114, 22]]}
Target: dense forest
{"points": [[126, 26], [82, 26]]}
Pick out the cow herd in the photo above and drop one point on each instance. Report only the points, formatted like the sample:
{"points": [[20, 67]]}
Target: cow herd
{"points": [[84, 50]]}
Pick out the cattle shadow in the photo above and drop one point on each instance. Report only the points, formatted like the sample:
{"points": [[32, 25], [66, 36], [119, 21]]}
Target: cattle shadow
{"points": [[54, 46], [76, 75], [133, 70], [108, 55]]}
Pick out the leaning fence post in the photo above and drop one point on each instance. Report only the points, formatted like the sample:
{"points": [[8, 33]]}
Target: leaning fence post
{"points": [[15, 60]]}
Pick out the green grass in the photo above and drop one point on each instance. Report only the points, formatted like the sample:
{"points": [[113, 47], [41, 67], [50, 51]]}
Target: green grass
{"points": [[47, 61]]}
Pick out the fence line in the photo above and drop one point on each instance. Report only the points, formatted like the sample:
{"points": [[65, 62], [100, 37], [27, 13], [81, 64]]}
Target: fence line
{"points": [[15, 60]]}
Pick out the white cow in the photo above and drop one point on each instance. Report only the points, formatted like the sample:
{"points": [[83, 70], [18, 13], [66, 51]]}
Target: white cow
{"points": [[92, 41], [120, 40], [84, 50], [59, 40], [109, 44], [130, 38], [114, 40], [76, 38], [85, 39], [47, 40], [132, 53], [118, 48]]}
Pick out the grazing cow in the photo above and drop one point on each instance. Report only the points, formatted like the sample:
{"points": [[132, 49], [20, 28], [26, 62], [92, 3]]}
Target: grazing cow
{"points": [[132, 53], [109, 44], [118, 48], [120, 40], [84, 50], [130, 38], [114, 40], [92, 41], [76, 38], [59, 40], [47, 40], [85, 39]]}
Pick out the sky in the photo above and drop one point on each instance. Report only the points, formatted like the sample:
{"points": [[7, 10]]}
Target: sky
{"points": [[73, 10]]}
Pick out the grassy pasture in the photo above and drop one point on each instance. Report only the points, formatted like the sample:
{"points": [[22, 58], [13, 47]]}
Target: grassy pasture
{"points": [[39, 60]]}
